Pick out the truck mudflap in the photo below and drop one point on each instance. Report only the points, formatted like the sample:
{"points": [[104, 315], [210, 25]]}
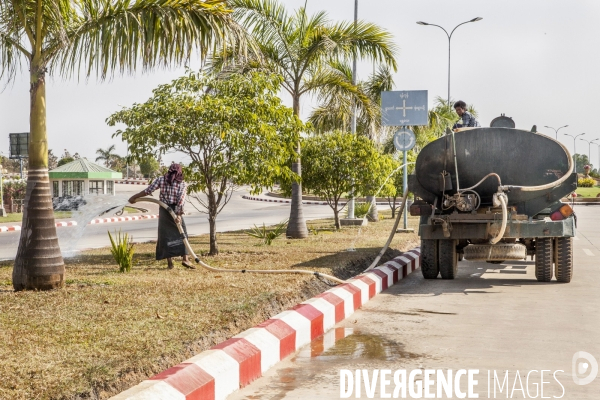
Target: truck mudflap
{"points": [[440, 228]]}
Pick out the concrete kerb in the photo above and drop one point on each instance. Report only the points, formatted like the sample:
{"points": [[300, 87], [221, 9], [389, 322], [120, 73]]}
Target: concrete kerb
{"points": [[322, 203], [12, 228], [216, 373]]}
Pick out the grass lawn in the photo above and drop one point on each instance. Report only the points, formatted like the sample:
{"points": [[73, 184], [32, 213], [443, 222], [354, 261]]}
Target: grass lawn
{"points": [[106, 331], [588, 192], [18, 217]]}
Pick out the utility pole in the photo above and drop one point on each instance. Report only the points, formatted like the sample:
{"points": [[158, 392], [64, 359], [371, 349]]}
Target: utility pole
{"points": [[449, 40]]}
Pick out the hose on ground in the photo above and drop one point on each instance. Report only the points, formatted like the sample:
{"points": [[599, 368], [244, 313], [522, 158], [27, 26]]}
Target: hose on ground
{"points": [[500, 235], [392, 234], [225, 270]]}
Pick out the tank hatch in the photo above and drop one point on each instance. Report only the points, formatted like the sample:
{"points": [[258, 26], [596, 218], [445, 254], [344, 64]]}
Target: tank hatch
{"points": [[502, 122]]}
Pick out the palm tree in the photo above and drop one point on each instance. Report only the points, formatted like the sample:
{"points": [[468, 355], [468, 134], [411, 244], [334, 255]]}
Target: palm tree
{"points": [[300, 48], [86, 36], [334, 111], [108, 155]]}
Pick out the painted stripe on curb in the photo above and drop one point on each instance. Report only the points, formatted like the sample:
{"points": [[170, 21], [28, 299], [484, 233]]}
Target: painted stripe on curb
{"points": [[92, 222], [216, 373], [313, 202]]}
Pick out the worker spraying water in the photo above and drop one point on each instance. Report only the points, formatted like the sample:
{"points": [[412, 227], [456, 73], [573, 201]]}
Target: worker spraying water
{"points": [[170, 242]]}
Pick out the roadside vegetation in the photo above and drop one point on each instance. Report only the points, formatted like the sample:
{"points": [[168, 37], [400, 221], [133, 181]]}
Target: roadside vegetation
{"points": [[106, 331]]}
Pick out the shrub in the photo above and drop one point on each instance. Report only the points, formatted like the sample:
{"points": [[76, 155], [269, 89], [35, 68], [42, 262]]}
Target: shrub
{"points": [[267, 236], [361, 209], [122, 250], [586, 182]]}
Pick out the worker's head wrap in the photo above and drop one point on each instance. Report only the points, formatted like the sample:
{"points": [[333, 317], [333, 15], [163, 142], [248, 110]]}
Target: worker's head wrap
{"points": [[174, 175]]}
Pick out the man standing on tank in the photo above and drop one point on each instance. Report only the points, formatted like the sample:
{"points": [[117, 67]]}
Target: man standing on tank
{"points": [[467, 120]]}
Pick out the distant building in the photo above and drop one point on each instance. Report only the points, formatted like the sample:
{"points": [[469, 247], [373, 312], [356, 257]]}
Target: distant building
{"points": [[82, 178]]}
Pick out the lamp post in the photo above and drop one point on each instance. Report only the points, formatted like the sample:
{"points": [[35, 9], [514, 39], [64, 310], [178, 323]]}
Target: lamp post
{"points": [[556, 130], [574, 147], [449, 38], [353, 122], [589, 142], [598, 144], [2, 210]]}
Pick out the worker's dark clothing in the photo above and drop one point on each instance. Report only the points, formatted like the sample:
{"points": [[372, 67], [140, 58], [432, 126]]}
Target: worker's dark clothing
{"points": [[466, 121], [170, 243]]}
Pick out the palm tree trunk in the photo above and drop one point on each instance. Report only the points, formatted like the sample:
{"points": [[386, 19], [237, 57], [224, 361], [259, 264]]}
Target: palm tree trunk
{"points": [[296, 228], [39, 263]]}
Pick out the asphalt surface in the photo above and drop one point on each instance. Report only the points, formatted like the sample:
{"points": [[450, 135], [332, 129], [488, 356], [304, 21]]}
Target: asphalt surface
{"points": [[237, 214], [492, 318]]}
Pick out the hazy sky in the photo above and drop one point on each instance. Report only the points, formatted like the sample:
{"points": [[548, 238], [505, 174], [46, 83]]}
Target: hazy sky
{"points": [[537, 61]]}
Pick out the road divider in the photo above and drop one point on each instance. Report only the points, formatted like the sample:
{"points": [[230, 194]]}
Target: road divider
{"points": [[322, 203], [216, 373], [14, 228]]}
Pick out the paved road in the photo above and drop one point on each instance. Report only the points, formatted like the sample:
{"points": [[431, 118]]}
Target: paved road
{"points": [[238, 214], [492, 318]]}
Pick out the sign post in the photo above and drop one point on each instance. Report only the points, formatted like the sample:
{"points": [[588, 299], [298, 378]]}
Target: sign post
{"points": [[19, 147], [2, 210], [405, 140], [402, 109]]}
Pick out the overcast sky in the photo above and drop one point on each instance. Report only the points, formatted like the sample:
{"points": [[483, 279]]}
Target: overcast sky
{"points": [[537, 61]]}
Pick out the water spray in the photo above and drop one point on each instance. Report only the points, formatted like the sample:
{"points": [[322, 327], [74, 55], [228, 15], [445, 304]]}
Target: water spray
{"points": [[225, 270]]}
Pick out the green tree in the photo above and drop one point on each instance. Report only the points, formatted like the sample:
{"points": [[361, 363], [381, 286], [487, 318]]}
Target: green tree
{"points": [[236, 131], [393, 196], [52, 160], [83, 36], [581, 160], [107, 155], [300, 48], [149, 167], [64, 160], [342, 163]]}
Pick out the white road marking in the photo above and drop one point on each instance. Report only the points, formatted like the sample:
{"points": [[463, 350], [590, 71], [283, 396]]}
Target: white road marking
{"points": [[588, 252]]}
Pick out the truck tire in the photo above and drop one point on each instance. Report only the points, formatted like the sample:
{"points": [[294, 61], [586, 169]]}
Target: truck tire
{"points": [[429, 258], [448, 257], [544, 255], [563, 267]]}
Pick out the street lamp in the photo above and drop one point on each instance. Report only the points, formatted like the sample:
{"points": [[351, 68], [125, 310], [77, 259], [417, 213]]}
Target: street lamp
{"points": [[556, 130], [598, 144], [589, 142], [574, 147], [2, 210], [353, 122], [449, 38]]}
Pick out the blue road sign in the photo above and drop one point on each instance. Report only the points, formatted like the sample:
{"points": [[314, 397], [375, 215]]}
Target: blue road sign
{"points": [[404, 139], [404, 108]]}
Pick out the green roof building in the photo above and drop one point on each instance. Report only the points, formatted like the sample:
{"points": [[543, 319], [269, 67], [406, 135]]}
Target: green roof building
{"points": [[82, 178]]}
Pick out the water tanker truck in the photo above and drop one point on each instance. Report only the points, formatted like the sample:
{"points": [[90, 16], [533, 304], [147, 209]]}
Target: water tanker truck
{"points": [[494, 194]]}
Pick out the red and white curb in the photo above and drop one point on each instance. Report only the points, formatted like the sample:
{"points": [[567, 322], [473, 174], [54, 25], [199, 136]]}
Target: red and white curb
{"points": [[132, 182], [216, 373], [121, 219], [92, 222], [322, 203]]}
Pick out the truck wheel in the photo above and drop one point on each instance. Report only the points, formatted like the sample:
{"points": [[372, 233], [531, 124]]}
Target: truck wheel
{"points": [[563, 267], [448, 259], [429, 258], [543, 259]]}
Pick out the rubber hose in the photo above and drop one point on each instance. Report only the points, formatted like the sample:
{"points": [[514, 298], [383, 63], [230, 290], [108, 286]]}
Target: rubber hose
{"points": [[224, 270], [500, 235], [481, 181], [392, 234], [547, 185]]}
